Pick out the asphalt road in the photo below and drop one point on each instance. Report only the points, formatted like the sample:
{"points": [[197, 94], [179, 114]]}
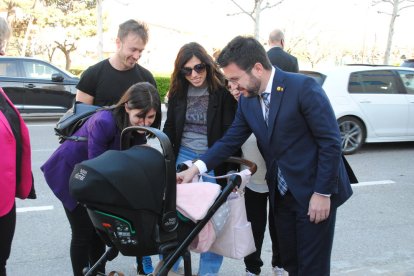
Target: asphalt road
{"points": [[374, 230]]}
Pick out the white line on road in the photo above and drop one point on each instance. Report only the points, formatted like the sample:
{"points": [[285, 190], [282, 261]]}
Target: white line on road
{"points": [[42, 125], [42, 150], [372, 183], [34, 209]]}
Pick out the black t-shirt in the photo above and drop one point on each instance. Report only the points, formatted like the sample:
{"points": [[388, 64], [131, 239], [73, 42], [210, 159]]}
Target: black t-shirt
{"points": [[107, 85]]}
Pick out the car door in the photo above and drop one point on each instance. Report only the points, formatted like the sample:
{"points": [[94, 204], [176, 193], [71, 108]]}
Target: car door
{"points": [[45, 93], [407, 80], [11, 82], [382, 100]]}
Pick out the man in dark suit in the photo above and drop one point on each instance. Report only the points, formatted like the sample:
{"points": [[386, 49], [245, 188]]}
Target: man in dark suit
{"points": [[256, 214], [277, 54], [299, 139]]}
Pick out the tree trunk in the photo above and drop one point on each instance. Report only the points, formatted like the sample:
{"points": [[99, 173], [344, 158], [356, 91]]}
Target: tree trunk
{"points": [[26, 36], [391, 32], [100, 29], [257, 10], [68, 60]]}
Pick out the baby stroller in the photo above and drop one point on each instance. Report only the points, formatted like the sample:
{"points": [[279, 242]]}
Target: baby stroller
{"points": [[130, 196]]}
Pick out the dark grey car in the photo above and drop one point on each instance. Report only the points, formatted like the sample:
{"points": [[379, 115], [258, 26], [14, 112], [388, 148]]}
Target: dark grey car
{"points": [[35, 86], [408, 63]]}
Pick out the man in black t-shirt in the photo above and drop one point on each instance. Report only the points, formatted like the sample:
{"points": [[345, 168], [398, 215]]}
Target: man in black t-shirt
{"points": [[105, 82]]}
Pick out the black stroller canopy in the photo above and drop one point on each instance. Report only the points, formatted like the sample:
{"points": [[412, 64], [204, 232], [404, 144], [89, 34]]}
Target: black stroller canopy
{"points": [[133, 179]]}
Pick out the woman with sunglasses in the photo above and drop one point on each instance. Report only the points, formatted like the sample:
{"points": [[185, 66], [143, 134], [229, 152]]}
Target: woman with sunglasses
{"points": [[139, 106], [200, 109]]}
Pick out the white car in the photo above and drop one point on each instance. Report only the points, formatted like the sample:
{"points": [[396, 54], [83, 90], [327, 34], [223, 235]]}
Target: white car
{"points": [[372, 103]]}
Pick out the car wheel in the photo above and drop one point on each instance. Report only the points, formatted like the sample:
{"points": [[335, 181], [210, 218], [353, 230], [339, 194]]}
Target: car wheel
{"points": [[352, 134]]}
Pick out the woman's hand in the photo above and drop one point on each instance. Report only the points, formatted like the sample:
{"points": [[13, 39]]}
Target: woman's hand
{"points": [[187, 175]]}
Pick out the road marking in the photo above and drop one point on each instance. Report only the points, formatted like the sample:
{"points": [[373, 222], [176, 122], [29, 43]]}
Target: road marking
{"points": [[42, 125], [34, 209], [43, 150], [372, 183]]}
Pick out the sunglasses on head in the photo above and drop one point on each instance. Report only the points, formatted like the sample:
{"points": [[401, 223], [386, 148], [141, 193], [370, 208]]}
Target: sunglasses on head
{"points": [[199, 68]]}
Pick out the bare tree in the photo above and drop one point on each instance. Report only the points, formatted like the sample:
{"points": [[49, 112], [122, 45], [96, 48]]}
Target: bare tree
{"points": [[99, 30], [397, 7], [255, 13]]}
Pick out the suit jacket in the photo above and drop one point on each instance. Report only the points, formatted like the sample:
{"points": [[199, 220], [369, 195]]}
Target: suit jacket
{"points": [[302, 139], [103, 135], [220, 114], [283, 60], [9, 189]]}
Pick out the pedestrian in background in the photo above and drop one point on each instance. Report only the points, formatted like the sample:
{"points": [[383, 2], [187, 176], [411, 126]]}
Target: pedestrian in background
{"points": [[256, 195], [278, 56]]}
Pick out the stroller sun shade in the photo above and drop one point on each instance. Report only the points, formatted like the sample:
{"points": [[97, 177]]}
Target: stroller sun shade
{"points": [[132, 179]]}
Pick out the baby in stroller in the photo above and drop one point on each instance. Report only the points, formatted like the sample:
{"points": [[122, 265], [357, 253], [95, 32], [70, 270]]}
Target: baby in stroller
{"points": [[130, 196]]}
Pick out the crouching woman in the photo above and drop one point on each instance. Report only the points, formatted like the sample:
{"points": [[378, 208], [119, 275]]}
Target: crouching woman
{"points": [[139, 106]]}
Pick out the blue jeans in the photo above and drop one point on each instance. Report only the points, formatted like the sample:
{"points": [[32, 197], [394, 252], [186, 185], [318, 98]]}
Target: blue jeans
{"points": [[210, 262]]}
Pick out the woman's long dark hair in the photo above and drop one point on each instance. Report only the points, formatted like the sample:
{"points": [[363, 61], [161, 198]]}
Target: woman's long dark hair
{"points": [[179, 84], [142, 95]]}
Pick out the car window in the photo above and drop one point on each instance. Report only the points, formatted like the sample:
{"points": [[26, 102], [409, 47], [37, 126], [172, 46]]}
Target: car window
{"points": [[8, 68], [319, 77], [408, 63], [407, 78], [376, 81], [38, 70]]}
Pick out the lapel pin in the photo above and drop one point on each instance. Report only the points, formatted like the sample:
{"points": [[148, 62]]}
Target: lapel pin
{"points": [[279, 89]]}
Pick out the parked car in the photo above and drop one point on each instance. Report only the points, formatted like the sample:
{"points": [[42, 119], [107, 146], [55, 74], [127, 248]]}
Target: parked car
{"points": [[408, 63], [36, 86], [371, 103]]}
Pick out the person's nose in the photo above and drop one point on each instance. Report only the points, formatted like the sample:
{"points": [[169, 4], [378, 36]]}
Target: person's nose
{"points": [[137, 55], [194, 73], [233, 85], [148, 122]]}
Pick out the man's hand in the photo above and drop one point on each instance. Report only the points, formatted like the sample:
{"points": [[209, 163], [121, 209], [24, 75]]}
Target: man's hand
{"points": [[187, 175], [319, 207]]}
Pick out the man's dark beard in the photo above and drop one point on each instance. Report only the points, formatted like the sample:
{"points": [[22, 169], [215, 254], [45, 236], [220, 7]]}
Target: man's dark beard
{"points": [[253, 89]]}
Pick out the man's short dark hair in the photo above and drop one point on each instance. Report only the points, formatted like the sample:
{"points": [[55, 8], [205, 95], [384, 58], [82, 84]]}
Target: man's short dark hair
{"points": [[133, 26], [245, 52]]}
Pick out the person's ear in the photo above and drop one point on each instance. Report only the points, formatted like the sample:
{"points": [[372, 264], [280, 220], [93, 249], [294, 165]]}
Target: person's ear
{"points": [[127, 109], [118, 43], [257, 68]]}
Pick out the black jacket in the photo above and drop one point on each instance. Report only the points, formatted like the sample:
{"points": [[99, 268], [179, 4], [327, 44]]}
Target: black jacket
{"points": [[283, 60], [220, 114]]}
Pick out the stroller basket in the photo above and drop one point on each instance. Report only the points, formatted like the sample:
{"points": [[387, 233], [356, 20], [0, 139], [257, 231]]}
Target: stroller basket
{"points": [[130, 196]]}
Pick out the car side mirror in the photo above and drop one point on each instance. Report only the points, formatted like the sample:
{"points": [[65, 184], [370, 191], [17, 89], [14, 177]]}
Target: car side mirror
{"points": [[57, 77]]}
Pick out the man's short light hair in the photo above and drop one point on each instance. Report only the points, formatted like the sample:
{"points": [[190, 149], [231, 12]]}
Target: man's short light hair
{"points": [[276, 36], [133, 26]]}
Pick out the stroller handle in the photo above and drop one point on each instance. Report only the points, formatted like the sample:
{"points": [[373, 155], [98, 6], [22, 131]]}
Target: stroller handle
{"points": [[241, 161], [232, 159], [169, 220]]}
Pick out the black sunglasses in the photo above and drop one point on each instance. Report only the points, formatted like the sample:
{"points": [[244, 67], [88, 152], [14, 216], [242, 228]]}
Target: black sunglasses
{"points": [[199, 68]]}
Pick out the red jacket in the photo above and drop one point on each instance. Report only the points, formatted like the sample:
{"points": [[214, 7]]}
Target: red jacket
{"points": [[8, 163]]}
